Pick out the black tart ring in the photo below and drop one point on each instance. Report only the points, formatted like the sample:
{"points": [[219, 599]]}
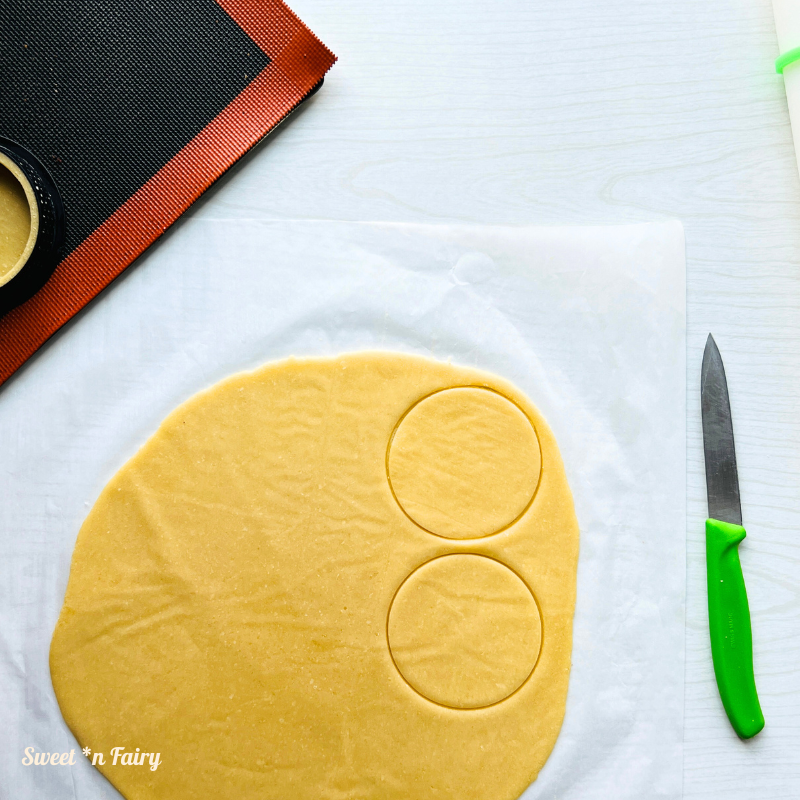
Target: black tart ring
{"points": [[52, 226]]}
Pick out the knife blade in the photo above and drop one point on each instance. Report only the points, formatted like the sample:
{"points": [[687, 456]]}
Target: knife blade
{"points": [[728, 609]]}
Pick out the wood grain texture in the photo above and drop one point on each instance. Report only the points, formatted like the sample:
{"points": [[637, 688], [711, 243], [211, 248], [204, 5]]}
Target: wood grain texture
{"points": [[544, 112]]}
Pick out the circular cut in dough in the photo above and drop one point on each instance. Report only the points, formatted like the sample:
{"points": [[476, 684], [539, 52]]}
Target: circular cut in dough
{"points": [[464, 463], [19, 219], [230, 590], [465, 631]]}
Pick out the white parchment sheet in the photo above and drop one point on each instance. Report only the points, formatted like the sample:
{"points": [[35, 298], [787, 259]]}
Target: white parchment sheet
{"points": [[589, 322]]}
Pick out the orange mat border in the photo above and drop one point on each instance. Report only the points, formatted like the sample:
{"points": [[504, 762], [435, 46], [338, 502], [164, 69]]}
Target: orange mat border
{"points": [[298, 61]]}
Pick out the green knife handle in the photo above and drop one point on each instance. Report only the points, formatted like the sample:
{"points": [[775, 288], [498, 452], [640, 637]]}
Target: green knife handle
{"points": [[729, 624]]}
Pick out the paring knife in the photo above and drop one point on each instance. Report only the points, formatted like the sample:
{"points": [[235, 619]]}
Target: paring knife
{"points": [[728, 610]]}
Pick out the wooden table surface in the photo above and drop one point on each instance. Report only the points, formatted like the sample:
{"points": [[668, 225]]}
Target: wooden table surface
{"points": [[586, 112]]}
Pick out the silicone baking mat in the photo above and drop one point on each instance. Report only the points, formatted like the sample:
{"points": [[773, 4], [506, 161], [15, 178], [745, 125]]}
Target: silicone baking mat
{"points": [[136, 107]]}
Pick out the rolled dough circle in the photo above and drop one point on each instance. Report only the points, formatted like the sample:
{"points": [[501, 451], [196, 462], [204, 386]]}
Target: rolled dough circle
{"points": [[464, 631], [464, 463], [229, 597], [19, 219]]}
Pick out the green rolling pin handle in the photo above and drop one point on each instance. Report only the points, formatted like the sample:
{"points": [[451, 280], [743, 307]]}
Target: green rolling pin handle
{"points": [[787, 58], [729, 624]]}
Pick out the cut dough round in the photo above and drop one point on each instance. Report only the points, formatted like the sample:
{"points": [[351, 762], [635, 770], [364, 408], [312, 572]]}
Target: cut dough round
{"points": [[229, 599], [464, 463], [465, 631], [19, 219]]}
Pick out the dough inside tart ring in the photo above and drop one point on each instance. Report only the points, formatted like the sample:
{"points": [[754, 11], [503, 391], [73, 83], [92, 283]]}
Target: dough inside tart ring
{"points": [[19, 219]]}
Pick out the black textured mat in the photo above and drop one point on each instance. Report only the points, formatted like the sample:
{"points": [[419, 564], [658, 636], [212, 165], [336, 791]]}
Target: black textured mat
{"points": [[105, 93]]}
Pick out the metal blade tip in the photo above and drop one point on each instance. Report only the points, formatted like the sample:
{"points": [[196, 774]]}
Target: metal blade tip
{"points": [[711, 355], [711, 347]]}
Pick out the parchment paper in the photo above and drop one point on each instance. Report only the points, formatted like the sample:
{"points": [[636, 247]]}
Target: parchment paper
{"points": [[589, 322]]}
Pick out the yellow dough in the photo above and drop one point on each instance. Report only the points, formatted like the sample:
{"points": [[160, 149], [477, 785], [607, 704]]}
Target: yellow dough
{"points": [[329, 579], [19, 219], [465, 631], [464, 463]]}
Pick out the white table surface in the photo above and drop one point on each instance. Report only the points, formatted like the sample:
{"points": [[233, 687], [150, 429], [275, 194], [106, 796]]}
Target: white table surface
{"points": [[586, 112]]}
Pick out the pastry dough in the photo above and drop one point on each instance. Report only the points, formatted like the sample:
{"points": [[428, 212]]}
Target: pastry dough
{"points": [[464, 463], [249, 598], [19, 219], [465, 631]]}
